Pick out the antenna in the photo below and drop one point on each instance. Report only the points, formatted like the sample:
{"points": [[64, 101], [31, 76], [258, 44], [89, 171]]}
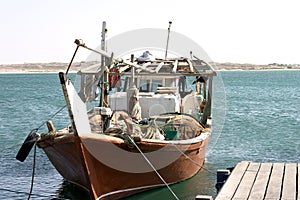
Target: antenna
{"points": [[170, 22]]}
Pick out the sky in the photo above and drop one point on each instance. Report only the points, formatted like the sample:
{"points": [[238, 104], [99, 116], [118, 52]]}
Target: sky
{"points": [[242, 31]]}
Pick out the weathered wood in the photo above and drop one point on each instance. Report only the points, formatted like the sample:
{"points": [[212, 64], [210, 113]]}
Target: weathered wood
{"points": [[159, 67], [275, 183], [298, 178], [247, 181], [253, 181], [253, 167], [228, 190], [245, 186], [190, 65], [260, 185], [289, 181], [50, 126]]}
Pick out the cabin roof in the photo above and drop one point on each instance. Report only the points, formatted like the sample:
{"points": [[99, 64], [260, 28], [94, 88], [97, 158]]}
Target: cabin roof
{"points": [[169, 67]]}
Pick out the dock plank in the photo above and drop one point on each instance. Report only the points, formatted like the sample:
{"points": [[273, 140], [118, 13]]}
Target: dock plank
{"points": [[229, 188], [268, 181], [289, 188], [298, 182], [247, 181], [275, 182], [253, 166], [259, 187]]}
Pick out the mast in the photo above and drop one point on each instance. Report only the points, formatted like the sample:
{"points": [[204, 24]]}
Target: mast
{"points": [[103, 34], [103, 78]]}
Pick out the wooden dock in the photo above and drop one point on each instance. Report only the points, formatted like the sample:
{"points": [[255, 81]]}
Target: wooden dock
{"points": [[255, 181]]}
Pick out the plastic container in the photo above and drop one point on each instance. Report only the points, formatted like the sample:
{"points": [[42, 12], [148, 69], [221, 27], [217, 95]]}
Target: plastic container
{"points": [[171, 135]]}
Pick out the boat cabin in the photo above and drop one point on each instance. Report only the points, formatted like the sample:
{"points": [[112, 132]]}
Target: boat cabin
{"points": [[163, 86], [178, 85]]}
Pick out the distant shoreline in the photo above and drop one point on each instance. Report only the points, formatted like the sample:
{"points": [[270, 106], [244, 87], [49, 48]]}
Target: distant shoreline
{"points": [[55, 67], [23, 72], [31, 68]]}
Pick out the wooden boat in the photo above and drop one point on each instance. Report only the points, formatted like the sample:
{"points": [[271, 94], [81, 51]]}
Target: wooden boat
{"points": [[110, 153]]}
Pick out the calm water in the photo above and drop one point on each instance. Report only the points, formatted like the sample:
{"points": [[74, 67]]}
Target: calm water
{"points": [[262, 123]]}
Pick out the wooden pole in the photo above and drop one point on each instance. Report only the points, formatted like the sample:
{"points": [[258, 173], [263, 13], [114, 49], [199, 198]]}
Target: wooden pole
{"points": [[64, 88]]}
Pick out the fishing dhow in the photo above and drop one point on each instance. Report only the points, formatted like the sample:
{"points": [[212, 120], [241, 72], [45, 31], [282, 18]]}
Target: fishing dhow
{"points": [[136, 124]]}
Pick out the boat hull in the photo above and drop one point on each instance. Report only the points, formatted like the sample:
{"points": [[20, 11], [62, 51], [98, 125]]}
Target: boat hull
{"points": [[64, 154], [111, 168]]}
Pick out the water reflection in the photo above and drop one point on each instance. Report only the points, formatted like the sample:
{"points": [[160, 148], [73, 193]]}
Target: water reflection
{"points": [[68, 190], [202, 183]]}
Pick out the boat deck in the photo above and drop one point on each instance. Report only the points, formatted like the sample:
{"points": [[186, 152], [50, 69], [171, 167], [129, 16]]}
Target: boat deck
{"points": [[250, 180]]}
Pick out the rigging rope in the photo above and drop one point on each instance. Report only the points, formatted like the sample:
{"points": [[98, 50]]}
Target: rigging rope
{"points": [[18, 145], [148, 161], [52, 116]]}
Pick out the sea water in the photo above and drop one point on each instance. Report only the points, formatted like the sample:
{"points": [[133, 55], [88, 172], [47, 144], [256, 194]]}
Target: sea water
{"points": [[256, 117]]}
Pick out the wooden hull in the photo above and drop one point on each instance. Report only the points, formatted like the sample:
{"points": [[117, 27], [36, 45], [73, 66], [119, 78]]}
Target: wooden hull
{"points": [[64, 152], [110, 168]]}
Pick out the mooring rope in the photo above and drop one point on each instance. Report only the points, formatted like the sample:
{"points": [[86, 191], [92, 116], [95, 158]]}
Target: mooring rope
{"points": [[33, 171], [34, 154], [130, 189], [148, 161], [194, 162]]}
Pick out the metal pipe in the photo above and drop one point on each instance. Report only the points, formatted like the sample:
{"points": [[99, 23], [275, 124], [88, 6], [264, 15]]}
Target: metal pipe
{"points": [[72, 59], [107, 55], [168, 39]]}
